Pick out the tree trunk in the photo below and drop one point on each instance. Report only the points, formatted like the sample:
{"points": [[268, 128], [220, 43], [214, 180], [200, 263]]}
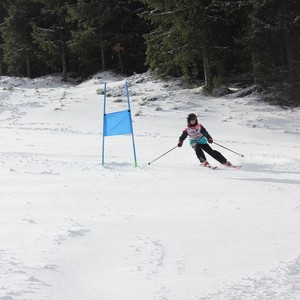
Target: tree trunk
{"points": [[206, 66], [257, 72], [63, 48], [103, 57], [28, 71], [64, 62], [287, 41], [120, 62]]}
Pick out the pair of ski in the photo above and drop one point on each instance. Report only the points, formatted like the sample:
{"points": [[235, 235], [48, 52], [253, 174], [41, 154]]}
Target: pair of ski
{"points": [[215, 167]]}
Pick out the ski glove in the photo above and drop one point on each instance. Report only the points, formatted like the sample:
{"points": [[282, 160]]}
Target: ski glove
{"points": [[210, 140], [179, 144]]}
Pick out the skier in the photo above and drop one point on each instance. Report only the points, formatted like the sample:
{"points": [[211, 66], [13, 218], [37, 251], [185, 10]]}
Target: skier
{"points": [[199, 139]]}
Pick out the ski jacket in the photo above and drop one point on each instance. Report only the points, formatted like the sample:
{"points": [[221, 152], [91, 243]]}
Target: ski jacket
{"points": [[195, 133]]}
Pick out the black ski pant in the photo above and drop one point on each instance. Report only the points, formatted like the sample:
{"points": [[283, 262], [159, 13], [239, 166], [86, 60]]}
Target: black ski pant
{"points": [[214, 153]]}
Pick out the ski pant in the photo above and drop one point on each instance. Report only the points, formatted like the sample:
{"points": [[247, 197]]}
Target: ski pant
{"points": [[214, 153]]}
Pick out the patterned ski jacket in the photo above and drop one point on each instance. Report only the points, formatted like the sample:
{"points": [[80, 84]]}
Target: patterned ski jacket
{"points": [[195, 133]]}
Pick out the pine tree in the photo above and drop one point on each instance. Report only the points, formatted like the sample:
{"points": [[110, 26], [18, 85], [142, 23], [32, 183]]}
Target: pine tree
{"points": [[52, 34], [168, 44], [289, 23], [1, 39], [107, 34], [128, 44], [91, 34], [274, 42], [185, 39], [18, 48], [229, 26]]}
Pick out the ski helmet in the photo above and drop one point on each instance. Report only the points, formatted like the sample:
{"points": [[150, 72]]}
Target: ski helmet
{"points": [[191, 117]]}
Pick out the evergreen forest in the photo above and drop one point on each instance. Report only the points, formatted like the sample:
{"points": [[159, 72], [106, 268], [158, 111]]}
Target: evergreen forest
{"points": [[220, 42]]}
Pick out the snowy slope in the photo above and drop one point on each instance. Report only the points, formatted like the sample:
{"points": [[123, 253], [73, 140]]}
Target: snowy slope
{"points": [[71, 229]]}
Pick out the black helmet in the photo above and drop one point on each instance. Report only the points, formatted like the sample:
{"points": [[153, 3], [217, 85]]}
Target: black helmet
{"points": [[191, 117]]}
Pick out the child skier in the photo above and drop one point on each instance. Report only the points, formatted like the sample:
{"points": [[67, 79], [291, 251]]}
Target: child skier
{"points": [[199, 139]]}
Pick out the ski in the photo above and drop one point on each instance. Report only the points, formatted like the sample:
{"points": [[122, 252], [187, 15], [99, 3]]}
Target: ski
{"points": [[234, 167], [237, 167], [213, 167], [228, 164], [210, 167]]}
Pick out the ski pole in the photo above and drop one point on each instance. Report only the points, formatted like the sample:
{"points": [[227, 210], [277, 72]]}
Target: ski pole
{"points": [[229, 149], [161, 155]]}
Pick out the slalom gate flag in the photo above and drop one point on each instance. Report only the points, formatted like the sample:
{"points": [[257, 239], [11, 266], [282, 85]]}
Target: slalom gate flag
{"points": [[118, 123]]}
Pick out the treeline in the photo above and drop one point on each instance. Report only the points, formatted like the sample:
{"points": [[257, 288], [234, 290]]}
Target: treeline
{"points": [[255, 41], [250, 42], [79, 36]]}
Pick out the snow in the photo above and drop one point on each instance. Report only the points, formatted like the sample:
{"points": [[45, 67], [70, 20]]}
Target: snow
{"points": [[72, 229]]}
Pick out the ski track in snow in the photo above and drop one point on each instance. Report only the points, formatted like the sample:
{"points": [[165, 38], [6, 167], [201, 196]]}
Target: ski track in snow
{"points": [[71, 229], [281, 283]]}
